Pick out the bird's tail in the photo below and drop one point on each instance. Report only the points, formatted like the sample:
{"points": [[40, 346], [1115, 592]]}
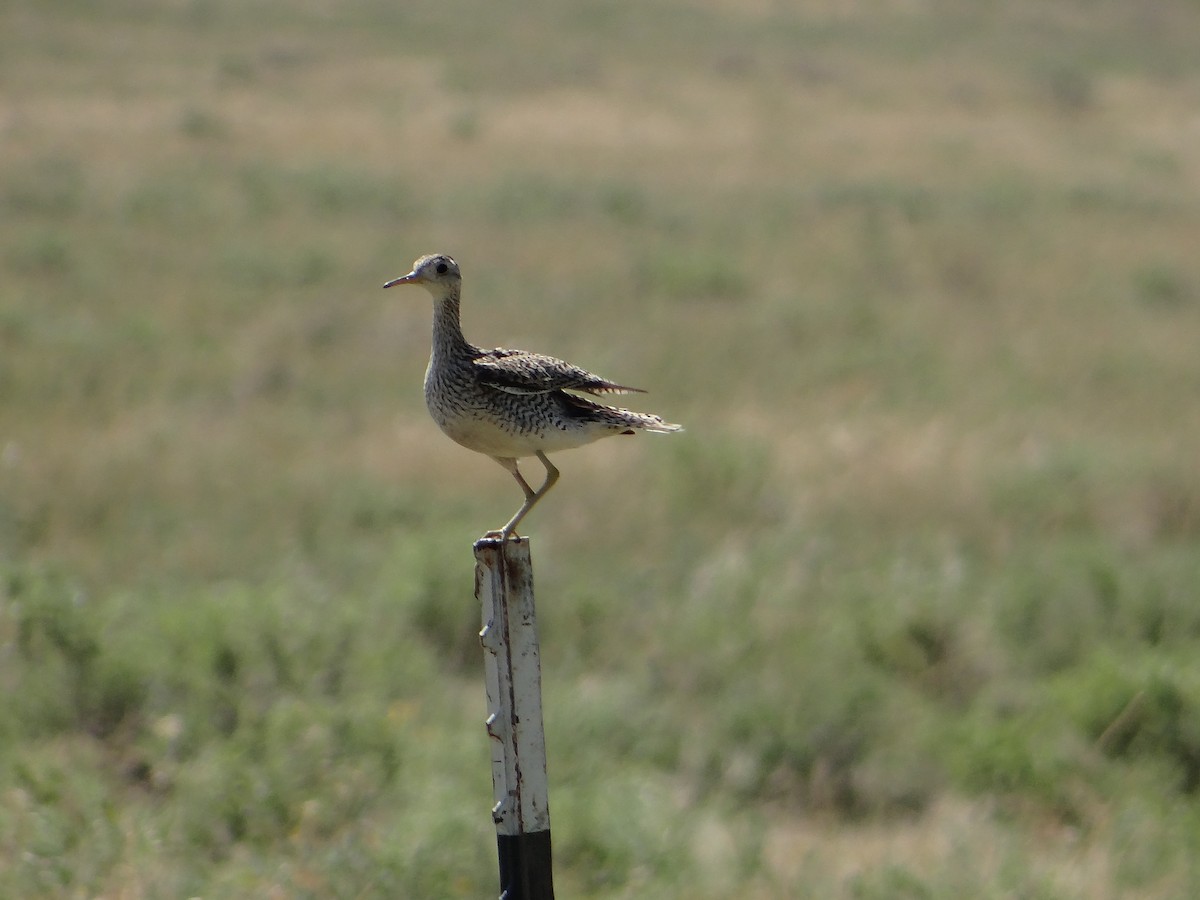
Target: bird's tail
{"points": [[615, 418], [655, 423], [636, 421]]}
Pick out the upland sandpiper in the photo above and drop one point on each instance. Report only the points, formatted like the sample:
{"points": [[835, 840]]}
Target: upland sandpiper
{"points": [[510, 404]]}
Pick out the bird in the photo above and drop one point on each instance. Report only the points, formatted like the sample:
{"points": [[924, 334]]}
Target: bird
{"points": [[511, 404]]}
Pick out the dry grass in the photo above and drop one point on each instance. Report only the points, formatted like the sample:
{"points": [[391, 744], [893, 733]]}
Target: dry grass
{"points": [[920, 279]]}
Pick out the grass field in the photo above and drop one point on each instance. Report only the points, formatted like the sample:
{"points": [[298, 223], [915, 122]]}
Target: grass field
{"points": [[912, 608]]}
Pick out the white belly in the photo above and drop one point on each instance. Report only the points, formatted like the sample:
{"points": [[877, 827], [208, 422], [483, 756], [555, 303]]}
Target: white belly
{"points": [[484, 436]]}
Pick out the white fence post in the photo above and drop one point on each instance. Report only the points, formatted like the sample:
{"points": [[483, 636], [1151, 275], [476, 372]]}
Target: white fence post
{"points": [[513, 672]]}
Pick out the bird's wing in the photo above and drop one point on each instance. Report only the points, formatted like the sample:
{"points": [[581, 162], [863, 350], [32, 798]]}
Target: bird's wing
{"points": [[518, 372]]}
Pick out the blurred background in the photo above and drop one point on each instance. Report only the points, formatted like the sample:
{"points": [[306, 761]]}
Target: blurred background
{"points": [[909, 611]]}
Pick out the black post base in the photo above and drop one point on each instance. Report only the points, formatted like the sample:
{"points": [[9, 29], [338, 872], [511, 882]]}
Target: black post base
{"points": [[525, 871]]}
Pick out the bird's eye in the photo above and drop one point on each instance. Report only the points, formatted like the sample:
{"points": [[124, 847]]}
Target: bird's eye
{"points": [[442, 268]]}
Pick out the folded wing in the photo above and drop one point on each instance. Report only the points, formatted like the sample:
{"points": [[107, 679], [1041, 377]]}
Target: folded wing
{"points": [[519, 372]]}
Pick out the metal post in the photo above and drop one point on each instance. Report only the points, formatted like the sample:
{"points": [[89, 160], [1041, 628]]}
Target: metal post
{"points": [[513, 671]]}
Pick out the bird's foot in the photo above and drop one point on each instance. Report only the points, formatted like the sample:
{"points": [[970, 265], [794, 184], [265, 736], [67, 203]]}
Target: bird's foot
{"points": [[500, 535]]}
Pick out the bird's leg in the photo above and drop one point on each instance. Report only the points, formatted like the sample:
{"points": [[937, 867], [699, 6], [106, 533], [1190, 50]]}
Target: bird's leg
{"points": [[510, 466], [531, 496], [551, 475], [534, 497]]}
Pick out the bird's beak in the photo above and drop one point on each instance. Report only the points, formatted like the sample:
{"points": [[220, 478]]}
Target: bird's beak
{"points": [[410, 278]]}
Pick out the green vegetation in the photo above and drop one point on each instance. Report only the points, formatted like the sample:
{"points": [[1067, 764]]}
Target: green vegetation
{"points": [[912, 609]]}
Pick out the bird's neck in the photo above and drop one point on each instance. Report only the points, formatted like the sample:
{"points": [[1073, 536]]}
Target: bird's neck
{"points": [[447, 330]]}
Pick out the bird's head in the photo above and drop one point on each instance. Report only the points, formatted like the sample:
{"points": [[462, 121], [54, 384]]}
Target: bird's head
{"points": [[436, 272]]}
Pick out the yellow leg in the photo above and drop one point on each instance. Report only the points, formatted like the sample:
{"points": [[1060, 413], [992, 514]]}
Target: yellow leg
{"points": [[531, 496]]}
